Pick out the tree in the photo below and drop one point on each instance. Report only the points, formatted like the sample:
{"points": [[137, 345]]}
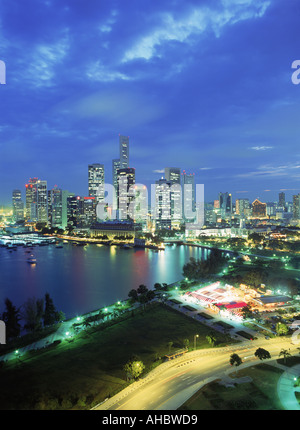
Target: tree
{"points": [[285, 354], [246, 312], [33, 313], [133, 295], [134, 368], [235, 360], [50, 313], [262, 354], [11, 317], [281, 329], [211, 339]]}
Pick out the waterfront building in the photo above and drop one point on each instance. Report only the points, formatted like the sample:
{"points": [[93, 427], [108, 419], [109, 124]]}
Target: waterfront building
{"points": [[173, 176], [96, 181], [57, 207], [125, 193], [188, 196], [113, 230], [162, 204], [31, 199], [18, 206]]}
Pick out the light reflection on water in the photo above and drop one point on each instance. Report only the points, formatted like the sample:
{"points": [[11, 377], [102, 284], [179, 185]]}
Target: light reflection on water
{"points": [[81, 279]]}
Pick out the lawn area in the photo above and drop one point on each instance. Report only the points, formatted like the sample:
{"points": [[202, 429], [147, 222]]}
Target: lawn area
{"points": [[260, 393], [82, 373]]}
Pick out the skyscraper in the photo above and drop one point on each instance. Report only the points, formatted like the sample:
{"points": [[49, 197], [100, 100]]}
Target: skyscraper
{"points": [[296, 206], [125, 194], [189, 196], [281, 201], [162, 204], [42, 201], [124, 151], [31, 199], [173, 176], [225, 201], [96, 181], [57, 207], [18, 206], [115, 168]]}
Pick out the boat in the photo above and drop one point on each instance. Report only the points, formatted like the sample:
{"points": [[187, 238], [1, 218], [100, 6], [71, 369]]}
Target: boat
{"points": [[31, 260], [126, 246]]}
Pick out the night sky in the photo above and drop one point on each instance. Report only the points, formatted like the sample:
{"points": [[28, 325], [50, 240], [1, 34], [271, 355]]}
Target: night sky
{"points": [[201, 85]]}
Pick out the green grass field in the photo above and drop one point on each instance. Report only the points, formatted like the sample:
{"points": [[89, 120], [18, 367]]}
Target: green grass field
{"points": [[82, 373]]}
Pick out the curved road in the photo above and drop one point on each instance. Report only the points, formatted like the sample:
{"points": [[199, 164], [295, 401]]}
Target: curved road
{"points": [[174, 382]]}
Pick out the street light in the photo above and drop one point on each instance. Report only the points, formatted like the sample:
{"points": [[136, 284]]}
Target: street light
{"points": [[195, 338]]}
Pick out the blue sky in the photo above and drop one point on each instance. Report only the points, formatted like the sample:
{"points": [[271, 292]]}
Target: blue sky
{"points": [[201, 85]]}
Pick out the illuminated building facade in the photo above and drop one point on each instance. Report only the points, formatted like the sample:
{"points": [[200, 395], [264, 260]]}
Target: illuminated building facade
{"points": [[125, 193], [18, 206], [259, 209], [96, 181]]}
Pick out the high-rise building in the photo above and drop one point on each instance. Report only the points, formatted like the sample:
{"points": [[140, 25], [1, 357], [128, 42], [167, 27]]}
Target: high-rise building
{"points": [[259, 209], [125, 193], [225, 202], [124, 151], [96, 181], [173, 176], [57, 207], [281, 201], [42, 202], [31, 199], [296, 206], [242, 207], [115, 168], [18, 206], [188, 196], [162, 205]]}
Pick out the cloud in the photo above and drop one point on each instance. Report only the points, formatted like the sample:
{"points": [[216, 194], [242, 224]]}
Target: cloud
{"points": [[261, 148], [98, 72], [272, 171], [197, 22], [159, 171]]}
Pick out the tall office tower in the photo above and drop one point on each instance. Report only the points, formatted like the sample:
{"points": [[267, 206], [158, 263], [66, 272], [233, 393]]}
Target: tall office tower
{"points": [[73, 211], [18, 206], [31, 199], [57, 207], [96, 181], [42, 201], [281, 201], [259, 209], [225, 202], [115, 168], [162, 204], [125, 193], [296, 206], [188, 196], [124, 151], [140, 203], [173, 175], [242, 207]]}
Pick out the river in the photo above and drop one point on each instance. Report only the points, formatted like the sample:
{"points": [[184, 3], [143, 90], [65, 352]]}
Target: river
{"points": [[81, 279]]}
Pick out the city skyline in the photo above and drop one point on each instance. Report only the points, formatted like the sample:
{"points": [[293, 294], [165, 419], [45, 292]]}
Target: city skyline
{"points": [[205, 87]]}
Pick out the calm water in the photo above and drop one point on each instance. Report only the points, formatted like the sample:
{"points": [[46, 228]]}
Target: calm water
{"points": [[81, 279]]}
